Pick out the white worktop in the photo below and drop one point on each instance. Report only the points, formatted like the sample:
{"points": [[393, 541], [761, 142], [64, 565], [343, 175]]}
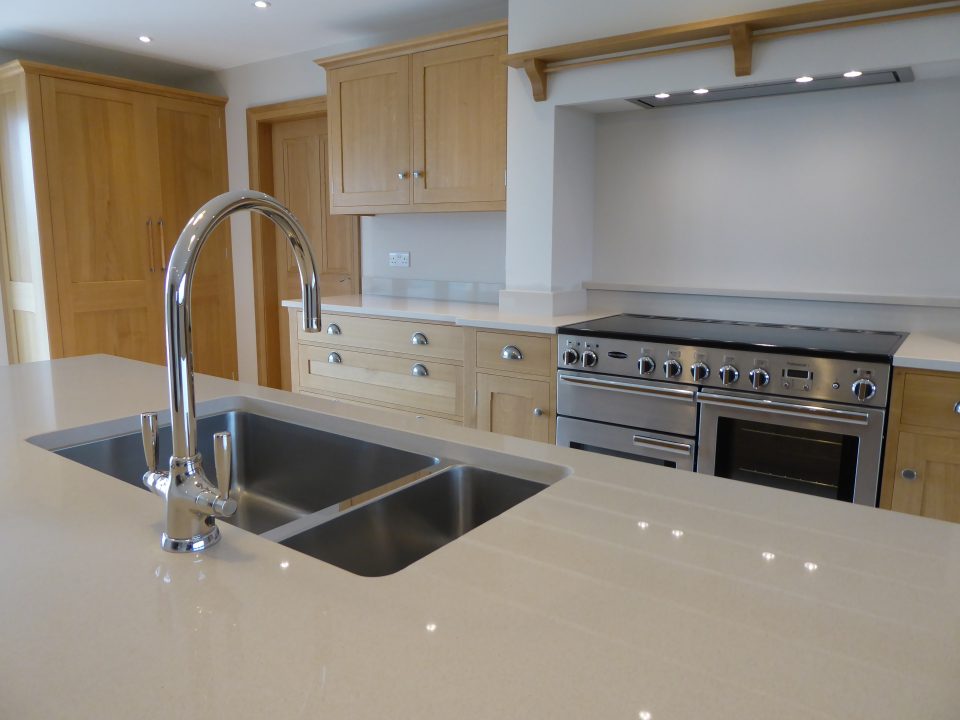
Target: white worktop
{"points": [[929, 352], [621, 590], [479, 315]]}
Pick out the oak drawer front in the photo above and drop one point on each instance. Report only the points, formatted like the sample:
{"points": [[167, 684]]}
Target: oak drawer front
{"points": [[931, 401], [426, 340], [530, 354], [382, 379]]}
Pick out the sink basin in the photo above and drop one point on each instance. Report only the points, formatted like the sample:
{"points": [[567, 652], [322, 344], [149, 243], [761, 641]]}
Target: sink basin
{"points": [[384, 536], [281, 471]]}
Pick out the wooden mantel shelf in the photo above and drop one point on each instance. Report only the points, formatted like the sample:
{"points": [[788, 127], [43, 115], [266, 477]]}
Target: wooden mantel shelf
{"points": [[738, 32]]}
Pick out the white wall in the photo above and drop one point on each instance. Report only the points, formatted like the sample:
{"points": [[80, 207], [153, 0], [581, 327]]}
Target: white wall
{"points": [[297, 76], [846, 191]]}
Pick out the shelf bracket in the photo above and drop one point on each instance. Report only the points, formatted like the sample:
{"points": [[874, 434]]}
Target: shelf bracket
{"points": [[536, 70], [741, 37]]}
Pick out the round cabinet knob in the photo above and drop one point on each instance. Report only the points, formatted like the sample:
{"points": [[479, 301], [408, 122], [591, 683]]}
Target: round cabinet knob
{"points": [[419, 370], [864, 389], [699, 371], [570, 356], [419, 338], [418, 174], [908, 474], [334, 358], [402, 175], [589, 358], [537, 412], [646, 365], [333, 329], [758, 378], [672, 368], [729, 375], [511, 352]]}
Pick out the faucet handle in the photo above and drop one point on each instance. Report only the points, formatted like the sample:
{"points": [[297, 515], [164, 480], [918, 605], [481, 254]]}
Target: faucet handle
{"points": [[222, 458], [151, 448]]}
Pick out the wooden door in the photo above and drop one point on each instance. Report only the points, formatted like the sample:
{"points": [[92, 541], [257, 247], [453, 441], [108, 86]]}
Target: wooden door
{"points": [[300, 183], [192, 168], [927, 479], [510, 405], [370, 134], [99, 164], [459, 108]]}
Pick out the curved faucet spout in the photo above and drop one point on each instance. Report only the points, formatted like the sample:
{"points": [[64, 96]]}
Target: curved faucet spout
{"points": [[179, 284], [191, 501]]}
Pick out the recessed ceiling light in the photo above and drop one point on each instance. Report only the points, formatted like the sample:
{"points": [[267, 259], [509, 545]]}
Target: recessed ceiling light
{"points": [[804, 79], [662, 96], [146, 39], [262, 4], [852, 74], [700, 91]]}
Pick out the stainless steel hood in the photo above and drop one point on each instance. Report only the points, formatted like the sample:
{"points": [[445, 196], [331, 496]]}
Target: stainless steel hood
{"points": [[779, 87]]}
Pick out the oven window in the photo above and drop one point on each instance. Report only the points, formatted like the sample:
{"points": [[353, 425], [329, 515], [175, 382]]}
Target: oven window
{"points": [[628, 456], [807, 461]]}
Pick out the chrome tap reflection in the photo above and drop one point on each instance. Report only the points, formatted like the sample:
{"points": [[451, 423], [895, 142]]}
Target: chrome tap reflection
{"points": [[191, 501]]}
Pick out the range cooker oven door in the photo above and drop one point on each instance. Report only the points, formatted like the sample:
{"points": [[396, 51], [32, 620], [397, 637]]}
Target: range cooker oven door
{"points": [[815, 448], [654, 448]]}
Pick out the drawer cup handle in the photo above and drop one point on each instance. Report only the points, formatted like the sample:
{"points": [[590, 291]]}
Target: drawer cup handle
{"points": [[333, 329], [956, 408], [511, 352], [908, 474], [334, 358], [419, 338], [419, 370]]}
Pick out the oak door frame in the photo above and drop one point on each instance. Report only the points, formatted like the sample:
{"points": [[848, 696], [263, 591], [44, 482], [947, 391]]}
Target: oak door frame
{"points": [[260, 121]]}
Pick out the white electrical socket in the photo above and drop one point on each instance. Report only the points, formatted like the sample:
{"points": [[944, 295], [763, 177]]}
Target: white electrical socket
{"points": [[399, 259]]}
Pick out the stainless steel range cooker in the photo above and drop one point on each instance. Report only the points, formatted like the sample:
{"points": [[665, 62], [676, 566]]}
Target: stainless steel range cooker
{"points": [[798, 408]]}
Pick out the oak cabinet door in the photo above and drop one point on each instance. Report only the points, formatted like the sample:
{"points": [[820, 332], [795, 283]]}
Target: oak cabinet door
{"points": [[191, 169], [368, 112], [514, 406], [927, 479], [459, 116], [99, 165]]}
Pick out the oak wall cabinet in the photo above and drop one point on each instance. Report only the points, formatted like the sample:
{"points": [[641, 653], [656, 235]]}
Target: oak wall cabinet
{"points": [[420, 126], [99, 175], [921, 472]]}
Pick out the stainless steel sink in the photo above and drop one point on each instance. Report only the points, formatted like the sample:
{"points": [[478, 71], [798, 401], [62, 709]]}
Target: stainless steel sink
{"points": [[281, 471], [385, 535]]}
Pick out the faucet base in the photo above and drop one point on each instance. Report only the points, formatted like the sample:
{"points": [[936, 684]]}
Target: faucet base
{"points": [[197, 543]]}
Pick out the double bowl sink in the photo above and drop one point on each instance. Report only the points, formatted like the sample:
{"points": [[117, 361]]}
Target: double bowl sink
{"points": [[362, 505]]}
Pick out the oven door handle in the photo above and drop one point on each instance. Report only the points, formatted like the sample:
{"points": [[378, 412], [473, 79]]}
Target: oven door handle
{"points": [[677, 448], [614, 386], [779, 408]]}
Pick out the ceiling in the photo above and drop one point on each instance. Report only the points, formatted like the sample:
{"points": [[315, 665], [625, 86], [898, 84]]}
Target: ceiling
{"points": [[220, 34]]}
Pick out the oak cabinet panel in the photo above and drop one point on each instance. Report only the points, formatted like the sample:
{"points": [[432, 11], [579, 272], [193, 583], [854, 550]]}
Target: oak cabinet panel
{"points": [[514, 406]]}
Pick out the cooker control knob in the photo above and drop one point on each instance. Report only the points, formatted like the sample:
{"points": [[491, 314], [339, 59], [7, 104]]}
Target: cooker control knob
{"points": [[699, 371], [672, 369], [646, 365], [864, 389], [758, 378], [729, 374], [589, 358], [570, 356]]}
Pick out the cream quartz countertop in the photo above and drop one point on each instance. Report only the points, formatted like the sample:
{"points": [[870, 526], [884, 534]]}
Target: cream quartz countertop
{"points": [[929, 352], [479, 315], [621, 590]]}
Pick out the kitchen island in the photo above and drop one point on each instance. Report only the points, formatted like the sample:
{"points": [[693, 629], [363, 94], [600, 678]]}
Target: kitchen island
{"points": [[621, 591]]}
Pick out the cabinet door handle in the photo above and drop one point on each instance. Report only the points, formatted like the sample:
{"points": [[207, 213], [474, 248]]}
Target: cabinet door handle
{"points": [[402, 175], [418, 174], [163, 247], [419, 338], [537, 412], [334, 358], [333, 329], [511, 352], [419, 370], [908, 474], [956, 408], [153, 267]]}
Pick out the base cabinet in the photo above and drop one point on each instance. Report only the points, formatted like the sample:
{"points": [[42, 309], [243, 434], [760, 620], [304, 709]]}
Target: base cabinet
{"points": [[922, 467], [514, 406]]}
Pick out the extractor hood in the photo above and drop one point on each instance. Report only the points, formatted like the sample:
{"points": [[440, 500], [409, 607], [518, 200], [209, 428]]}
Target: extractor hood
{"points": [[802, 84]]}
